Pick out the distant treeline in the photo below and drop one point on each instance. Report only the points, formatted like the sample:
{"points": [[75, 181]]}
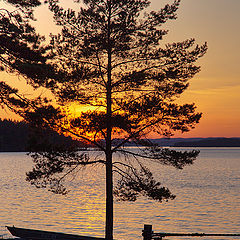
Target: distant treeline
{"points": [[16, 136], [210, 142], [13, 136], [195, 142]]}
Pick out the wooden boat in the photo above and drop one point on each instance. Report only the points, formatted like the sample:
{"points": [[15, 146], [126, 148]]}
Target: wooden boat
{"points": [[31, 234]]}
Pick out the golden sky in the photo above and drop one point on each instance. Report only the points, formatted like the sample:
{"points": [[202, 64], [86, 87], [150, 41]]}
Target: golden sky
{"points": [[216, 89]]}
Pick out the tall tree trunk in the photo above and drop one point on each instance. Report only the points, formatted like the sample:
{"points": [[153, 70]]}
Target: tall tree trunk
{"points": [[109, 198], [109, 173]]}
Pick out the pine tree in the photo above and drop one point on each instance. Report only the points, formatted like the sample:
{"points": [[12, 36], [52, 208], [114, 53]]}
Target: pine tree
{"points": [[108, 57]]}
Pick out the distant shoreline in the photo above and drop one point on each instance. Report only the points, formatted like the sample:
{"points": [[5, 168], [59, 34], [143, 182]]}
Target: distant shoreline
{"points": [[162, 142], [196, 142], [210, 142], [14, 137]]}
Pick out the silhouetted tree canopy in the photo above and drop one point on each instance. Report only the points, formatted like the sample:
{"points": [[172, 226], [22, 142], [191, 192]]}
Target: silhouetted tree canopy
{"points": [[108, 57]]}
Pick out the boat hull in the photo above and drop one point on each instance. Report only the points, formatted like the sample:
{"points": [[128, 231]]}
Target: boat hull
{"points": [[31, 234]]}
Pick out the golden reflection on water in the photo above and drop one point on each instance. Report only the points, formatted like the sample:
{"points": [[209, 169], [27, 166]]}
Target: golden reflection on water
{"points": [[207, 200]]}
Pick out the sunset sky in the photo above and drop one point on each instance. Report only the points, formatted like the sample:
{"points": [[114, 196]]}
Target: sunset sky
{"points": [[216, 89]]}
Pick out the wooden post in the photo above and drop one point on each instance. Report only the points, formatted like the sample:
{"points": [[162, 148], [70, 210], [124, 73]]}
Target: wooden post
{"points": [[147, 232]]}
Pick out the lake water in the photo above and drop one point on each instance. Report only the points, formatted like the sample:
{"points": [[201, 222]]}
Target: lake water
{"points": [[208, 200]]}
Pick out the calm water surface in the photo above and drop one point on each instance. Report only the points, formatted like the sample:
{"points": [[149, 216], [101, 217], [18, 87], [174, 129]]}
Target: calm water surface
{"points": [[208, 200]]}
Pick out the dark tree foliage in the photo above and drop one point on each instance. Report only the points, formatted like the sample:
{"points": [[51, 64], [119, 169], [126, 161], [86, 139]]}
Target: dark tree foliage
{"points": [[109, 57]]}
